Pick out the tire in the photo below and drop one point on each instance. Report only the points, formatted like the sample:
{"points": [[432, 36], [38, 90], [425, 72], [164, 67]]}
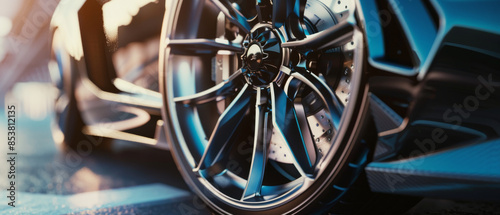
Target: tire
{"points": [[231, 129]]}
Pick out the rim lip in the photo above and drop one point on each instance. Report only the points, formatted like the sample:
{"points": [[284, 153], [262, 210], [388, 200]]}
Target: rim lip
{"points": [[170, 110]]}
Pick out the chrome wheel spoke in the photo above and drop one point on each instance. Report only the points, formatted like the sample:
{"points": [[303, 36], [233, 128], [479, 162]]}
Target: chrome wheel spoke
{"points": [[292, 88], [215, 93], [226, 126], [234, 15], [334, 36], [259, 157], [283, 9], [200, 45], [306, 132], [333, 104], [289, 13], [285, 121], [263, 9]]}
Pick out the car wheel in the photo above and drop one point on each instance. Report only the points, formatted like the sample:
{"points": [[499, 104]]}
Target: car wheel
{"points": [[266, 104]]}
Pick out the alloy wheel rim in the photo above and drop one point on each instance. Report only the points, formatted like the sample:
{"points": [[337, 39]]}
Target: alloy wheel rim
{"points": [[269, 98]]}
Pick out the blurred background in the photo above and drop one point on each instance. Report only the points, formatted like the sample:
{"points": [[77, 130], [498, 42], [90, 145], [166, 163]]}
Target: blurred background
{"points": [[120, 177], [24, 37]]}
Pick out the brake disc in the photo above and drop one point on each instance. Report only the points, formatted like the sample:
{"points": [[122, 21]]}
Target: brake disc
{"points": [[318, 16]]}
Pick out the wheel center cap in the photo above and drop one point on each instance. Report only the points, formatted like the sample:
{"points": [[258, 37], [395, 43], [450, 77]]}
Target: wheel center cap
{"points": [[254, 56], [262, 57]]}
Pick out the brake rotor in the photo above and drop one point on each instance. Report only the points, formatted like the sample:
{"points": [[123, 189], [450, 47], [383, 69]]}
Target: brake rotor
{"points": [[318, 17]]}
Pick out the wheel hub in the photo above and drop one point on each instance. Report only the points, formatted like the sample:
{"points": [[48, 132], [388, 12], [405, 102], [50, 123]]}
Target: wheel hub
{"points": [[262, 57]]}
